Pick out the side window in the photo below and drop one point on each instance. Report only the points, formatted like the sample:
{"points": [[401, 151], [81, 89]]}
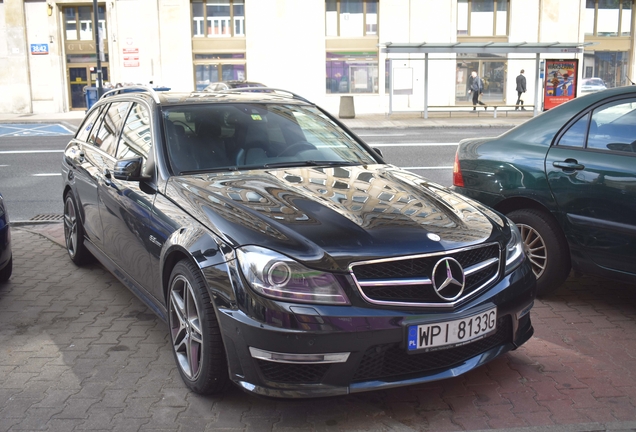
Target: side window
{"points": [[613, 127], [575, 136], [136, 138], [84, 130], [113, 119]]}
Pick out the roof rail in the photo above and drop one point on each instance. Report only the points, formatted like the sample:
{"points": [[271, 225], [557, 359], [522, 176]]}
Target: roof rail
{"points": [[134, 88], [264, 90]]}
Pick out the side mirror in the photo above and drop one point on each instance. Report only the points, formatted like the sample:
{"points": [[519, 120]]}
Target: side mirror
{"points": [[128, 169], [378, 151]]}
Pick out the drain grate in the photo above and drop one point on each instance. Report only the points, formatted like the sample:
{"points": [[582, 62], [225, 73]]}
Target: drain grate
{"points": [[47, 218]]}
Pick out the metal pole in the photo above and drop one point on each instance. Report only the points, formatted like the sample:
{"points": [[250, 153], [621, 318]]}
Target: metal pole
{"points": [[426, 85], [100, 87], [538, 88], [390, 86]]}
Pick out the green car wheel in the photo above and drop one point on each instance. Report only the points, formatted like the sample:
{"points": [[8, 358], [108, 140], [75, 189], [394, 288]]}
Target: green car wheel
{"points": [[545, 247]]}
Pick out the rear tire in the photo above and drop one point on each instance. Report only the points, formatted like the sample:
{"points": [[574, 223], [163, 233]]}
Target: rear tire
{"points": [[545, 246], [74, 232], [5, 273], [194, 331]]}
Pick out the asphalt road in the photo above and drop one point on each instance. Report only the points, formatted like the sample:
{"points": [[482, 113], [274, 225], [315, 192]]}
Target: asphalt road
{"points": [[30, 166]]}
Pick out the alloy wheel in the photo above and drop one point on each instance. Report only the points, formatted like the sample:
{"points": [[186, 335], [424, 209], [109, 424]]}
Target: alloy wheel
{"points": [[535, 249], [185, 327], [70, 227]]}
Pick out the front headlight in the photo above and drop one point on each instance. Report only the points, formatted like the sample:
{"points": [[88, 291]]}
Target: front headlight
{"points": [[277, 276], [514, 249]]}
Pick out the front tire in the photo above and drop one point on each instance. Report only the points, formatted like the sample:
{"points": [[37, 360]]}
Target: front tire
{"points": [[74, 232], [546, 248], [194, 331]]}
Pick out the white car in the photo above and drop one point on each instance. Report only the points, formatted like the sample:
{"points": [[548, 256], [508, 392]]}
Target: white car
{"points": [[589, 85]]}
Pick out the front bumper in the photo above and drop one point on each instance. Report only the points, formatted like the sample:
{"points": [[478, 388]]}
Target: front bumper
{"points": [[287, 350]]}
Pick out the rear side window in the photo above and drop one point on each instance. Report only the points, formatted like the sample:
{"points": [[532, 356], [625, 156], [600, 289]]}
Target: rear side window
{"points": [[113, 119], [575, 136], [84, 130]]}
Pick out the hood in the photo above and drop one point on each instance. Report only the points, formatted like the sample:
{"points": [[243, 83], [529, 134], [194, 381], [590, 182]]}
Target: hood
{"points": [[329, 217]]}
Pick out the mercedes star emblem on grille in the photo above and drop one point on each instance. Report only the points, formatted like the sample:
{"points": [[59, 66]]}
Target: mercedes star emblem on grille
{"points": [[448, 279]]}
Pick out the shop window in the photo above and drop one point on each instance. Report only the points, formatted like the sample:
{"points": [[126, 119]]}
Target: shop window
{"points": [[610, 66], [351, 18], [482, 17], [218, 18], [79, 23], [608, 18], [352, 72], [211, 68]]}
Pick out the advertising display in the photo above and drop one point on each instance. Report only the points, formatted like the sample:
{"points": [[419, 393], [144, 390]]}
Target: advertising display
{"points": [[560, 82]]}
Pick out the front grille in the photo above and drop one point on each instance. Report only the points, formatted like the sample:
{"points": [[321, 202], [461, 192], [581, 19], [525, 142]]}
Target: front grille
{"points": [[392, 362], [388, 275], [293, 373]]}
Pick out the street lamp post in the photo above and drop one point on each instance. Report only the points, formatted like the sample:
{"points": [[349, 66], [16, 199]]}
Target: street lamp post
{"points": [[100, 86]]}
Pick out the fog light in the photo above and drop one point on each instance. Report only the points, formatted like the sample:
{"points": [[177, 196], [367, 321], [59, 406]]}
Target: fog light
{"points": [[298, 358]]}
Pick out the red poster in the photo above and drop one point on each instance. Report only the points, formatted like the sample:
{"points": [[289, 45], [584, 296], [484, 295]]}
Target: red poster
{"points": [[560, 82]]}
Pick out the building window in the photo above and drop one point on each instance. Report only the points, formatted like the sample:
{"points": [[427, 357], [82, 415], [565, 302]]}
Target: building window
{"points": [[482, 17], [351, 18], [218, 18], [79, 23], [352, 72], [608, 18], [211, 68]]}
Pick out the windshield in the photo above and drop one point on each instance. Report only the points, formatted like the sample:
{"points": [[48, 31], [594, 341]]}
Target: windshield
{"points": [[242, 135]]}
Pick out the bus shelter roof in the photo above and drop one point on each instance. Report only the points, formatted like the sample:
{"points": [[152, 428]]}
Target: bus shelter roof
{"points": [[485, 47]]}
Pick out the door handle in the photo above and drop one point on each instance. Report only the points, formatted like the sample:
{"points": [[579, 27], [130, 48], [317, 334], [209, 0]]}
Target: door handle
{"points": [[569, 165]]}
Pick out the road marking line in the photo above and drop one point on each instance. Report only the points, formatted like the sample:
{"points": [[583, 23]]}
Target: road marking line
{"points": [[30, 151], [385, 135], [428, 168], [411, 144], [47, 174]]}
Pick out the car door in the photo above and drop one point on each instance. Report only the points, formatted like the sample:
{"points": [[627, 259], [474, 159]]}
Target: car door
{"points": [[592, 174], [126, 206], [82, 158]]}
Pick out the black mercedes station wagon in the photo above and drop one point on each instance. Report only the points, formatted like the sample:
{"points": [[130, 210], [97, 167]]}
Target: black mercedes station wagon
{"points": [[283, 253]]}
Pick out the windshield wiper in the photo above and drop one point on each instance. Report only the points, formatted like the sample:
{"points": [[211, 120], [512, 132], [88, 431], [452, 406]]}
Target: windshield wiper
{"points": [[309, 163]]}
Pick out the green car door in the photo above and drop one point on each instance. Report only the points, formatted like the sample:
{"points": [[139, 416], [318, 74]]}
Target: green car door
{"points": [[591, 171]]}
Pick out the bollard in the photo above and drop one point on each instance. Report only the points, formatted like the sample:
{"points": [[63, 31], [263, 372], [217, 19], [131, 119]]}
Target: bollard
{"points": [[347, 110]]}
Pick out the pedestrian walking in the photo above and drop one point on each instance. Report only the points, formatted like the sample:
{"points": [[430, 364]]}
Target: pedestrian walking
{"points": [[477, 89], [521, 89]]}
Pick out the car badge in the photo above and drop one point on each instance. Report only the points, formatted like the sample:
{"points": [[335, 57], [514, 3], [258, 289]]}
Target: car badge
{"points": [[433, 237], [448, 279]]}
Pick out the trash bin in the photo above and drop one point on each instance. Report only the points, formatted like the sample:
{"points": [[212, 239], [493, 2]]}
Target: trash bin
{"points": [[347, 110], [90, 93]]}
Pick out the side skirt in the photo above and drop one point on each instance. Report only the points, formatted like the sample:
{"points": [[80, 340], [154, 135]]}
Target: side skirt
{"points": [[158, 308]]}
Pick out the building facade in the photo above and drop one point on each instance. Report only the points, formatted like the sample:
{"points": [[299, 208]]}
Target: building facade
{"points": [[321, 49]]}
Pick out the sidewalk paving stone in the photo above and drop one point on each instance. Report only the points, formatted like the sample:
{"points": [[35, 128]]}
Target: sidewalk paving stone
{"points": [[80, 352]]}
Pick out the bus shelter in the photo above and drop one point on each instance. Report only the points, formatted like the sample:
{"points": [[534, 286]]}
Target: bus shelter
{"points": [[509, 48]]}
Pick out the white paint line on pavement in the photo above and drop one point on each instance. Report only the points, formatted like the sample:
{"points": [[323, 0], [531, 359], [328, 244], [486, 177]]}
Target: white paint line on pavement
{"points": [[428, 168], [411, 144], [30, 151], [381, 135], [47, 175]]}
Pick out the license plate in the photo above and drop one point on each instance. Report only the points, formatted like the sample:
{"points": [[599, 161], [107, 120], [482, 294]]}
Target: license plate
{"points": [[448, 334]]}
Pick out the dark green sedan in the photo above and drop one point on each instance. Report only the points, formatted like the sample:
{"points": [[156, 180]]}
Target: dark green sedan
{"points": [[567, 178]]}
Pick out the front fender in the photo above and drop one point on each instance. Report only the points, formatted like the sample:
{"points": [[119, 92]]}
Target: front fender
{"points": [[204, 249]]}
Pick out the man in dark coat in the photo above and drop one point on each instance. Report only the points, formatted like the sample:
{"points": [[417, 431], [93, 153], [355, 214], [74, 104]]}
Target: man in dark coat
{"points": [[476, 88], [521, 88]]}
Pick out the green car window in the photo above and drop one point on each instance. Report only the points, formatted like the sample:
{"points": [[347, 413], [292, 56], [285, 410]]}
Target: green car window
{"points": [[575, 136], [614, 127]]}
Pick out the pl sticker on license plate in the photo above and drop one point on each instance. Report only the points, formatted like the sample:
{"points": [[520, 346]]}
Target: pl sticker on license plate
{"points": [[447, 334]]}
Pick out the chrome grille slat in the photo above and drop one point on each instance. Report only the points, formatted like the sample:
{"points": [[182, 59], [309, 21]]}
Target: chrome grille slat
{"points": [[415, 288]]}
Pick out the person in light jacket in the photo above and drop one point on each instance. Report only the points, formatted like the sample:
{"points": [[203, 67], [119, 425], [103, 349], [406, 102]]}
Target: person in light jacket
{"points": [[476, 89], [521, 88]]}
